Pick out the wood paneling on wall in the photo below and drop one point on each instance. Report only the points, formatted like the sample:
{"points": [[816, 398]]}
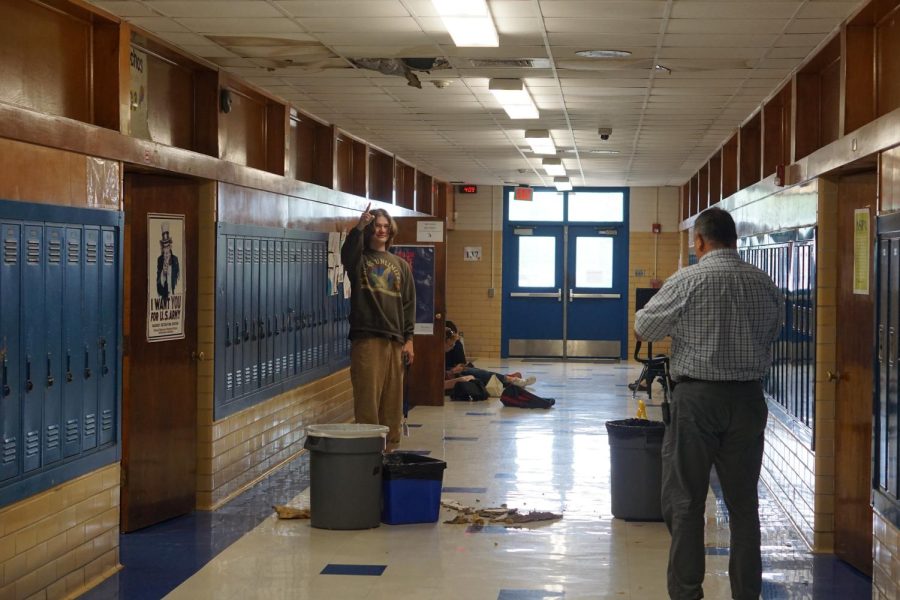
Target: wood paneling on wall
{"points": [[715, 178], [381, 176], [777, 125], [730, 166], [858, 77], [424, 191], [405, 182], [750, 158], [889, 180], [887, 61]]}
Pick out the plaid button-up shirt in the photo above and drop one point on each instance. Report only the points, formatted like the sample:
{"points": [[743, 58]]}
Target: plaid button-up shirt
{"points": [[722, 314]]}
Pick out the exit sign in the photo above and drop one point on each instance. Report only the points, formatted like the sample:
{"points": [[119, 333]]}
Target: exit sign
{"points": [[523, 193], [468, 189]]}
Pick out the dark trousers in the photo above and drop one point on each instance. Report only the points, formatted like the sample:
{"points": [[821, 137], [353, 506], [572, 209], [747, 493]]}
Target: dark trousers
{"points": [[719, 424], [482, 375]]}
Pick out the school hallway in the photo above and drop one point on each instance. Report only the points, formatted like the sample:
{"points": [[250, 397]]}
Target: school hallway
{"points": [[554, 460]]}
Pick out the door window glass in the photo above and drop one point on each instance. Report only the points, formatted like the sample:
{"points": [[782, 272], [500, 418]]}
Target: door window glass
{"points": [[593, 262], [537, 261], [606, 207], [545, 206]]}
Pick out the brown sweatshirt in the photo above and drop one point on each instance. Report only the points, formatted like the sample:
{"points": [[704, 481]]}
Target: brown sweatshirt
{"points": [[383, 298]]}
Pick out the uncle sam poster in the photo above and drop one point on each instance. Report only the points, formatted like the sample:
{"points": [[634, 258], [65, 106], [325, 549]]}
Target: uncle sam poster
{"points": [[165, 277]]}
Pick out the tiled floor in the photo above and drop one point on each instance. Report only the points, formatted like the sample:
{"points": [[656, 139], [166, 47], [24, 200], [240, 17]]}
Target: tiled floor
{"points": [[555, 460]]}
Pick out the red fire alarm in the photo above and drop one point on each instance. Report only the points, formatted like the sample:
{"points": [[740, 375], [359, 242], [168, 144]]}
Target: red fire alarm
{"points": [[656, 228]]}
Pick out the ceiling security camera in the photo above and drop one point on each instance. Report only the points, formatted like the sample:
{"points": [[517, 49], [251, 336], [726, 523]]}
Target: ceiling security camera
{"points": [[605, 132]]}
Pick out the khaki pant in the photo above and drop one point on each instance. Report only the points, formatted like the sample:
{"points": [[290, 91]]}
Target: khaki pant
{"points": [[376, 372]]}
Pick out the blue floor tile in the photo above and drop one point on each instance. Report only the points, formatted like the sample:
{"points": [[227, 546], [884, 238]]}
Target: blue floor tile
{"points": [[464, 490], [712, 551], [368, 570]]}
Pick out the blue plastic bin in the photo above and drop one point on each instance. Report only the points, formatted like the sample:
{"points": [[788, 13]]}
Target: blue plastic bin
{"points": [[411, 488]]}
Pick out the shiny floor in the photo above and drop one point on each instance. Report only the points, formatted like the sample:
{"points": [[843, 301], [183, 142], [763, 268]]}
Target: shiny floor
{"points": [[556, 460]]}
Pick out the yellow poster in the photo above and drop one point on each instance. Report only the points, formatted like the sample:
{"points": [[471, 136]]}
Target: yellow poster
{"points": [[861, 251]]}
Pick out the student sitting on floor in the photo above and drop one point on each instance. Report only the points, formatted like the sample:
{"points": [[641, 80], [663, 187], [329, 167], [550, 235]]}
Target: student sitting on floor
{"points": [[457, 368]]}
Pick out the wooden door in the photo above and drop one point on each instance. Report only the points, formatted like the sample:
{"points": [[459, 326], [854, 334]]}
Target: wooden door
{"points": [[853, 393], [159, 405], [426, 376]]}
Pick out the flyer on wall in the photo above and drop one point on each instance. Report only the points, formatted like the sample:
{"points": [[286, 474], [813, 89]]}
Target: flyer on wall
{"points": [[421, 261], [165, 277]]}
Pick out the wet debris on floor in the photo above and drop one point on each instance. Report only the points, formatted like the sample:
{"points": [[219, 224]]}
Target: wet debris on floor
{"points": [[291, 512], [470, 515]]}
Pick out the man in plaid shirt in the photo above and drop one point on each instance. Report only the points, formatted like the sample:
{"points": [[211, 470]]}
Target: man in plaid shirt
{"points": [[723, 315]]}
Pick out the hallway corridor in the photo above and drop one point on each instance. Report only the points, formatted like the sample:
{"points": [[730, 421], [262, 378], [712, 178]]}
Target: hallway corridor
{"points": [[556, 460]]}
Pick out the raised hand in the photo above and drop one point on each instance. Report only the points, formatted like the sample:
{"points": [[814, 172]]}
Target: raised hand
{"points": [[365, 218]]}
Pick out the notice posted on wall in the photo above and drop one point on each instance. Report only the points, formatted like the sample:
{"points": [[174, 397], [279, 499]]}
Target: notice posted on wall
{"points": [[421, 261], [165, 277], [861, 249]]}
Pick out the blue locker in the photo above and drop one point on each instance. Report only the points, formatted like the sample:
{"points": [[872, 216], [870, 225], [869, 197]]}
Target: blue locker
{"points": [[248, 322], [267, 286], [278, 312], [72, 383], [227, 301], [290, 307], [10, 365], [109, 335], [256, 312], [322, 303], [237, 335], [306, 283], [51, 371], [91, 337], [33, 339]]}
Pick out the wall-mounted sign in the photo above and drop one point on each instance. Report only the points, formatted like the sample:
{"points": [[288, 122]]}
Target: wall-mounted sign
{"points": [[166, 270], [523, 193], [861, 248], [468, 189], [472, 253], [430, 231]]}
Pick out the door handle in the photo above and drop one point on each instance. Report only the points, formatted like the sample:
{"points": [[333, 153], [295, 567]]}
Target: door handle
{"points": [[881, 343], [104, 369], [832, 375], [557, 294], [50, 379], [227, 334], [87, 363], [198, 356], [579, 295], [28, 384], [6, 390], [69, 376]]}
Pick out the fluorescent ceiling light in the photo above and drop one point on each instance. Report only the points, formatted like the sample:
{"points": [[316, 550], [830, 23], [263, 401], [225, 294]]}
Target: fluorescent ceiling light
{"points": [[553, 166], [562, 184], [540, 141], [603, 53], [469, 22], [513, 96]]}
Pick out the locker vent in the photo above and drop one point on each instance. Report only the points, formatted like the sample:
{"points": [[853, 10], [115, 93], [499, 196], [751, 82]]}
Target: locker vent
{"points": [[71, 431], [278, 365], [54, 250], [74, 251], [91, 252], [109, 252], [52, 437], [9, 450], [238, 378], [10, 251], [106, 420], [90, 425], [32, 443], [230, 257], [255, 253], [34, 251], [229, 381]]}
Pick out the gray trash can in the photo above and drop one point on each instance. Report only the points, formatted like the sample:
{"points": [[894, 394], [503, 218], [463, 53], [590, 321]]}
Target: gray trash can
{"points": [[635, 456], [345, 475]]}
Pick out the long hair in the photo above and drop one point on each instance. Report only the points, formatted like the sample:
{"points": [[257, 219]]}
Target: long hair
{"points": [[369, 231]]}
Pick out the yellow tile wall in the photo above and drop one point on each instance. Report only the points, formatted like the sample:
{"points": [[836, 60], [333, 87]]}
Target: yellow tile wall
{"points": [[235, 452], [61, 542], [886, 560], [479, 222]]}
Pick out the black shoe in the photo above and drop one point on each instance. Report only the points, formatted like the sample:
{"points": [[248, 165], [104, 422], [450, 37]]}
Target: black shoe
{"points": [[638, 386]]}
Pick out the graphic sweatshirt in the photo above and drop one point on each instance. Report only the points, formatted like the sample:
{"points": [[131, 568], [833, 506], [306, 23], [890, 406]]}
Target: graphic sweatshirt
{"points": [[383, 294]]}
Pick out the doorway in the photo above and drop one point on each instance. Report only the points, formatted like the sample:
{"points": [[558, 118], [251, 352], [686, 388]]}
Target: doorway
{"points": [[159, 403], [565, 274], [853, 380]]}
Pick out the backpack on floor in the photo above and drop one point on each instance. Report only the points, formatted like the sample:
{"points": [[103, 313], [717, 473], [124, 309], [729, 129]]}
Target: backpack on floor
{"points": [[469, 391], [518, 397]]}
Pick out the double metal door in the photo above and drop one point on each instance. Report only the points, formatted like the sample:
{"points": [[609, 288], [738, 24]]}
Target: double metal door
{"points": [[566, 292]]}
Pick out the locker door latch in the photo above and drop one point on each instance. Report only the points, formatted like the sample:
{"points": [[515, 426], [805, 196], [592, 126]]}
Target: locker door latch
{"points": [[69, 376], [87, 363], [28, 383], [6, 390], [50, 379], [104, 369], [227, 335]]}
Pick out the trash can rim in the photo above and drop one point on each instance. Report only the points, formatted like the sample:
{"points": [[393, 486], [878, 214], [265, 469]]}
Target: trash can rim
{"points": [[347, 430]]}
